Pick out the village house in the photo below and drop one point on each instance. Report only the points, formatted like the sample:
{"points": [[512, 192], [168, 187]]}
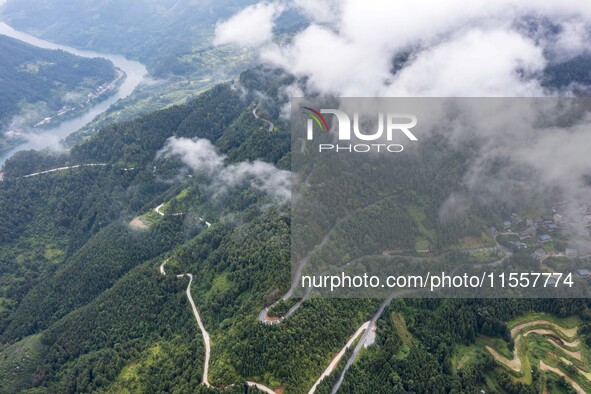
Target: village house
{"points": [[530, 232], [548, 219], [539, 254], [517, 245]]}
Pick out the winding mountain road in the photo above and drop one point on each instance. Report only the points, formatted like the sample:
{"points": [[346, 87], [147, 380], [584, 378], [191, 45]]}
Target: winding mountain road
{"points": [[335, 361], [364, 332], [263, 314], [372, 323], [204, 332], [70, 168], [158, 210], [63, 169], [370, 327], [268, 122], [162, 272], [261, 387]]}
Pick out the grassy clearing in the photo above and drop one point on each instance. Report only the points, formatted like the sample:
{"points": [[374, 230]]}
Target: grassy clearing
{"points": [[422, 244], [428, 235], [483, 241], [486, 256], [151, 217], [183, 194], [138, 376], [401, 329], [138, 223], [129, 379], [19, 362], [467, 355], [53, 254], [220, 284]]}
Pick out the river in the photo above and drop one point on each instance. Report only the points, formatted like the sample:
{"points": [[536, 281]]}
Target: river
{"points": [[50, 138]]}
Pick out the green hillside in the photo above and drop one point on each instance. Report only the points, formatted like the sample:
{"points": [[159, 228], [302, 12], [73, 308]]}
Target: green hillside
{"points": [[90, 300], [36, 83]]}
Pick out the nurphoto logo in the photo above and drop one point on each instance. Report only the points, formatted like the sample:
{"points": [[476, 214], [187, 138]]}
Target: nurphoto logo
{"points": [[390, 122]]}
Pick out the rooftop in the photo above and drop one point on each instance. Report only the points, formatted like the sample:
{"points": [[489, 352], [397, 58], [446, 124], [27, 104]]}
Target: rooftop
{"points": [[545, 237]]}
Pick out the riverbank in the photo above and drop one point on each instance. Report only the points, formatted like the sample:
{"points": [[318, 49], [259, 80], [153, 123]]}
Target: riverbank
{"points": [[132, 75]]}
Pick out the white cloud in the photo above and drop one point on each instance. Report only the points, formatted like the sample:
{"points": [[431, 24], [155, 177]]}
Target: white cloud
{"points": [[325, 11], [521, 153], [251, 27], [349, 52], [477, 62], [573, 39], [201, 155], [261, 175], [457, 48], [293, 90]]}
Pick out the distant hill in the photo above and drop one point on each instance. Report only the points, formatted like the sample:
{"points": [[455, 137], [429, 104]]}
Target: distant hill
{"points": [[138, 32], [43, 81], [90, 300], [171, 37]]}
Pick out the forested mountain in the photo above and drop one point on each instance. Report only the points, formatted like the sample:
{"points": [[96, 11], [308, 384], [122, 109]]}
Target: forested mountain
{"points": [[157, 252], [45, 81], [174, 39], [90, 300], [186, 27], [135, 32]]}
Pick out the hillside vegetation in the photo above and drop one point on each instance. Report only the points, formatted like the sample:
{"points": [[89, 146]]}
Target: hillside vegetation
{"points": [[36, 83], [85, 306]]}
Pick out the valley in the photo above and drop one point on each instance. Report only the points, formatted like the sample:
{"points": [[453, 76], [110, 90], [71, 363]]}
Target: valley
{"points": [[130, 74], [156, 234]]}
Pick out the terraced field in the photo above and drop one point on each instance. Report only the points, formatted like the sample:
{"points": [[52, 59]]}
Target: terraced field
{"points": [[552, 345]]}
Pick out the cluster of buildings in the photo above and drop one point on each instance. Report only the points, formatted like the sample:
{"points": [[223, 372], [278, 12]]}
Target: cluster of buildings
{"points": [[540, 227], [64, 110], [89, 98], [543, 229]]}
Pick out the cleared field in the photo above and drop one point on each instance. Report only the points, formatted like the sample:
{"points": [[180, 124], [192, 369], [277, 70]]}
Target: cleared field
{"points": [[546, 367], [514, 364], [551, 344], [550, 334], [138, 223], [568, 332]]}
